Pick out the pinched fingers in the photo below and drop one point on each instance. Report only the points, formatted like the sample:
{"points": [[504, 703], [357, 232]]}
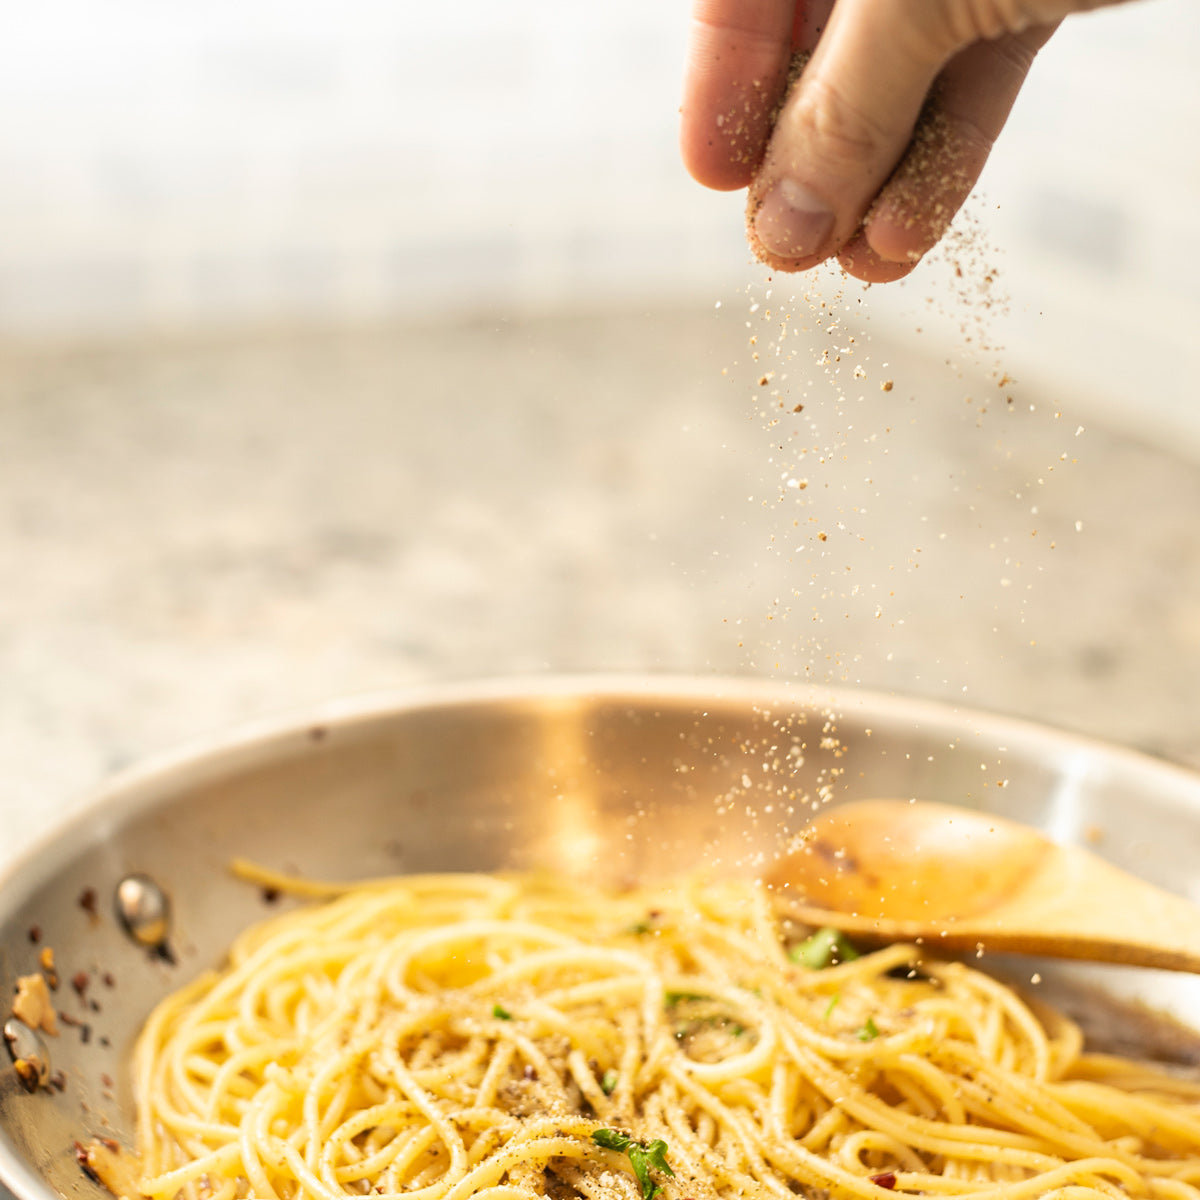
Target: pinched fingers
{"points": [[843, 127], [889, 126], [964, 115]]}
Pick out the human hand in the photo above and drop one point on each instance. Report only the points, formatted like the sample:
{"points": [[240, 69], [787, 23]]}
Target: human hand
{"points": [[878, 143]]}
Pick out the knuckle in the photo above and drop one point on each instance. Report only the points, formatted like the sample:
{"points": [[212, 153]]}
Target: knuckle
{"points": [[1015, 55], [842, 135], [976, 20]]}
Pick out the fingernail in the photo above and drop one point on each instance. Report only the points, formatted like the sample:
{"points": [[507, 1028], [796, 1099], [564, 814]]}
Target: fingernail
{"points": [[791, 221]]}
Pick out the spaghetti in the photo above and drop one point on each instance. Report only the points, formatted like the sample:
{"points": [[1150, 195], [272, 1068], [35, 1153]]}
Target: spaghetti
{"points": [[441, 1037]]}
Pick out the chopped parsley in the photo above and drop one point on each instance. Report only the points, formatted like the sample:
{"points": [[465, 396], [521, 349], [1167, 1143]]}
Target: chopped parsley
{"points": [[833, 1003], [502, 1013], [608, 1082], [869, 1032], [826, 948], [642, 1157]]}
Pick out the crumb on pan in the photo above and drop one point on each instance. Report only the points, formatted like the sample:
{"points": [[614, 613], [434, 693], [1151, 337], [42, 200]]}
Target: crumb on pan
{"points": [[32, 1004], [104, 1160]]}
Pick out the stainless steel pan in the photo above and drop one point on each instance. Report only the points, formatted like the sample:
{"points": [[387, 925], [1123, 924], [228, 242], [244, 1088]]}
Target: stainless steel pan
{"points": [[609, 778]]}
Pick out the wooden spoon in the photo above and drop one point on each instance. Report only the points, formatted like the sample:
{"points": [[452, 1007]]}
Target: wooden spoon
{"points": [[900, 871]]}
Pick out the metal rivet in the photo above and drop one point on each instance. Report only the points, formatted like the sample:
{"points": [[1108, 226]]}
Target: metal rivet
{"points": [[144, 910], [25, 1046]]}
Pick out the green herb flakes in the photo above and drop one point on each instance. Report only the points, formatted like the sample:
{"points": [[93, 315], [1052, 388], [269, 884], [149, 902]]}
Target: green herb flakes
{"points": [[672, 998], [643, 1156], [826, 948]]}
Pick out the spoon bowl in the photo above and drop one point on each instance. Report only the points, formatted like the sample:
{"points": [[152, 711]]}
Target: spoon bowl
{"points": [[893, 870]]}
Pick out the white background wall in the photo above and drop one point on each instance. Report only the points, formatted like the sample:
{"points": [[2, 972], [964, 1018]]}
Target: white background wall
{"points": [[171, 164]]}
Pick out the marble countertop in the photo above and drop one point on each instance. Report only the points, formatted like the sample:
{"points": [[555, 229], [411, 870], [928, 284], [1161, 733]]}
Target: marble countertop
{"points": [[194, 533]]}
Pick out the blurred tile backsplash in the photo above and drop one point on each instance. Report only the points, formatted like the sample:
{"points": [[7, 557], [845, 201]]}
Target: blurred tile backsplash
{"points": [[167, 166]]}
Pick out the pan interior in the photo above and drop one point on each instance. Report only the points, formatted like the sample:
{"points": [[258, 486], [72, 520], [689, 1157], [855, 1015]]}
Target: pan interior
{"points": [[608, 782]]}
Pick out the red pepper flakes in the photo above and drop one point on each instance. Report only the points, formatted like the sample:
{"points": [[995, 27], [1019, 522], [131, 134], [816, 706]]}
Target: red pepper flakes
{"points": [[886, 1179]]}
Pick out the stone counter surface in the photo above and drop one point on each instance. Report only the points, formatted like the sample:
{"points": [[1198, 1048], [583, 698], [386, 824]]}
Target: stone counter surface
{"points": [[193, 533]]}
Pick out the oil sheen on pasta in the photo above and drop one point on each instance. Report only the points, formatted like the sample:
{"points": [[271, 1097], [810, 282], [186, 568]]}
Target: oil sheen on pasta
{"points": [[454, 1036]]}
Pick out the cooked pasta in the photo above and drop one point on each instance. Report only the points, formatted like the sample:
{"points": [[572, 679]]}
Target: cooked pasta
{"points": [[441, 1037]]}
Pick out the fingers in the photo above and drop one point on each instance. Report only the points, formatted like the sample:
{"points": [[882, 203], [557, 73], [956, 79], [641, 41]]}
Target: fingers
{"points": [[739, 52], [841, 130], [954, 135], [844, 140], [857, 258], [736, 69], [883, 135]]}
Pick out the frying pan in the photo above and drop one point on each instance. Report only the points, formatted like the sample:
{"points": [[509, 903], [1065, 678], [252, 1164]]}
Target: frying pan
{"points": [[613, 779]]}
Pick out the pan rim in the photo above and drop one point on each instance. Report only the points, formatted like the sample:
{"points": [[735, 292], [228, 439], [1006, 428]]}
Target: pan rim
{"points": [[261, 739]]}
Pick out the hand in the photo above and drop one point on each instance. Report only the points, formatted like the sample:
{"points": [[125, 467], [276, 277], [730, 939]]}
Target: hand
{"points": [[884, 133]]}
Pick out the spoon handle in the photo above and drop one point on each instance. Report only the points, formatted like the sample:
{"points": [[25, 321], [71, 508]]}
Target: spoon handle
{"points": [[1079, 906], [1072, 905]]}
